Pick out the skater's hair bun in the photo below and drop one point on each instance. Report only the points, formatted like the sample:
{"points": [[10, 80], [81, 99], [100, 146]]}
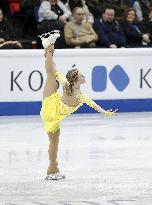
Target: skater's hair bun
{"points": [[72, 78]]}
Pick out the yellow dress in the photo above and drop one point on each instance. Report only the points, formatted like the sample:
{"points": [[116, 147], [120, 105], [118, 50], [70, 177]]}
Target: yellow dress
{"points": [[54, 110]]}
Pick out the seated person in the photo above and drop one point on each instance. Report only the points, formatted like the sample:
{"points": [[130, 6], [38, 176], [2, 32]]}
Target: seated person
{"points": [[147, 23], [134, 32], [109, 30], [79, 33], [7, 40], [52, 16], [53, 10]]}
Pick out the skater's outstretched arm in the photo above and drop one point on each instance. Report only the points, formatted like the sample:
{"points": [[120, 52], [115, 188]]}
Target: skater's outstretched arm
{"points": [[85, 99]]}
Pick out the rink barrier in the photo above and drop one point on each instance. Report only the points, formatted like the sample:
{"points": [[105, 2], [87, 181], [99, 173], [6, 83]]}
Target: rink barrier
{"points": [[115, 78], [33, 108]]}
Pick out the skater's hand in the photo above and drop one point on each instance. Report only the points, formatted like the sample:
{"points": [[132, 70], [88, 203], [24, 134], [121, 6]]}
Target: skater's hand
{"points": [[110, 112]]}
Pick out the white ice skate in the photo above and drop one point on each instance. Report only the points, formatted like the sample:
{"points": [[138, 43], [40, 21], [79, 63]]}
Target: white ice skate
{"points": [[61, 176], [55, 176], [52, 36]]}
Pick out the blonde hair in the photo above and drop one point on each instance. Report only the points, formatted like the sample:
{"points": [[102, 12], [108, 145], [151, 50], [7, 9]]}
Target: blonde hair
{"points": [[72, 78]]}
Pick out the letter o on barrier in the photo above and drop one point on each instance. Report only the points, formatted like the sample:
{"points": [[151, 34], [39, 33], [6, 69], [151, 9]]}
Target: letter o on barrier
{"points": [[30, 79]]}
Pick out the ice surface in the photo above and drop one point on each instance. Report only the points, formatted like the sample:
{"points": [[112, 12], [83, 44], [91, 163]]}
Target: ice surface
{"points": [[107, 161]]}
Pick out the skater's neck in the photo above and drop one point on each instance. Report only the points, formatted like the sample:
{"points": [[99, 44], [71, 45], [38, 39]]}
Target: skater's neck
{"points": [[76, 88]]}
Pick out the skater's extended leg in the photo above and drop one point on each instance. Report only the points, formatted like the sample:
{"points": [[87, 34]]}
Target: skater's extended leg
{"points": [[50, 84]]}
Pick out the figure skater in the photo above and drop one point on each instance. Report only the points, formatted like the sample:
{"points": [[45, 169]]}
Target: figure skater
{"points": [[56, 107]]}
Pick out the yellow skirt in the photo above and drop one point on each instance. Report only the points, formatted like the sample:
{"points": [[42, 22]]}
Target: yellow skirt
{"points": [[49, 113]]}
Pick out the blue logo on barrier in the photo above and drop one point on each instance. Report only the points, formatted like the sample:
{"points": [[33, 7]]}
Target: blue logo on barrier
{"points": [[117, 75]]}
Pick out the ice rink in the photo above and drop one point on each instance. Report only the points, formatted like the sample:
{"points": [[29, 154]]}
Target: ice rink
{"points": [[107, 161]]}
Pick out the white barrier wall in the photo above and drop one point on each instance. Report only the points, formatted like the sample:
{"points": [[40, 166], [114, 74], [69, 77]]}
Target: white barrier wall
{"points": [[121, 78]]}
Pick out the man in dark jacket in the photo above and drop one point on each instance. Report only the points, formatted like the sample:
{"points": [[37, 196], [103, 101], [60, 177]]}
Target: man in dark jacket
{"points": [[109, 30]]}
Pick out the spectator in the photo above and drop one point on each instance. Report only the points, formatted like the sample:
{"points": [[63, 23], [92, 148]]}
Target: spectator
{"points": [[53, 10], [134, 31], [79, 32], [52, 16], [109, 30], [7, 38], [71, 4], [147, 24], [29, 22]]}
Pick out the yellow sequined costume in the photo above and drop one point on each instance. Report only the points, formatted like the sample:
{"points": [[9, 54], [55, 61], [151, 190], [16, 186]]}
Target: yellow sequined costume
{"points": [[54, 110]]}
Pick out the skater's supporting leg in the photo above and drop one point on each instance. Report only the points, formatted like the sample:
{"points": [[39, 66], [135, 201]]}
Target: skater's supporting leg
{"points": [[53, 150]]}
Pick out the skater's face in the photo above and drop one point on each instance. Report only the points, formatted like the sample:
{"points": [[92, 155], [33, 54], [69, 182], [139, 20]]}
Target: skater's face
{"points": [[81, 78]]}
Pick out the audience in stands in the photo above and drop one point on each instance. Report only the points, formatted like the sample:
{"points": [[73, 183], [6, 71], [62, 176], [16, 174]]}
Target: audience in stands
{"points": [[109, 30], [71, 4], [86, 27], [134, 32], [7, 37], [52, 16], [79, 33]]}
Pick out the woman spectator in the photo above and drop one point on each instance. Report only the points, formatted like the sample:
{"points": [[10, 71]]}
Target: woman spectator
{"points": [[7, 37], [133, 30]]}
